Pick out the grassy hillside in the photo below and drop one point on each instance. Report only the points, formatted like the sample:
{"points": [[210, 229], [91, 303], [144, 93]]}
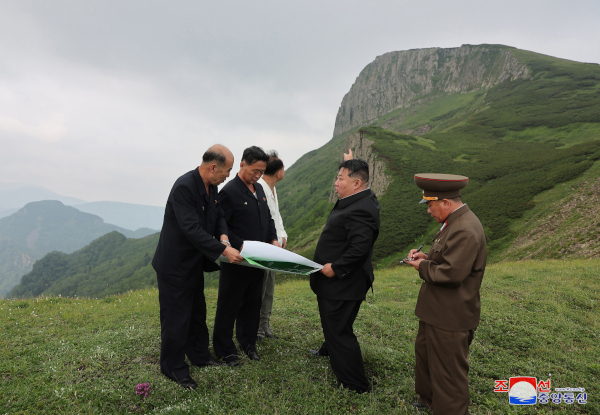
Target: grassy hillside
{"points": [[109, 265], [309, 181], [514, 141], [112, 264], [42, 227], [564, 223], [77, 355]]}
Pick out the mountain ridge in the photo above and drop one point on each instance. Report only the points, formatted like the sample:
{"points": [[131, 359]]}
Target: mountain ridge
{"points": [[554, 105], [409, 78], [39, 228]]}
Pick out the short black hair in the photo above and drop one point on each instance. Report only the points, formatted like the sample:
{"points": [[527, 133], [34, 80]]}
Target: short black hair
{"points": [[274, 164], [210, 155], [356, 168], [253, 154]]}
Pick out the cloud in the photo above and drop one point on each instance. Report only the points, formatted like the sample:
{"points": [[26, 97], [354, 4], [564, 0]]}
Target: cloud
{"points": [[48, 130], [113, 100]]}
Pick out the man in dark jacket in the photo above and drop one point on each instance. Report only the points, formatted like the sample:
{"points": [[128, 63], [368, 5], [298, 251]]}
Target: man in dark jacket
{"points": [[240, 288], [345, 248], [448, 306], [186, 248]]}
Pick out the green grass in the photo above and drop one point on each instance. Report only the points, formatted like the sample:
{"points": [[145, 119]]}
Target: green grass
{"points": [[567, 135], [75, 355], [437, 111], [563, 222]]}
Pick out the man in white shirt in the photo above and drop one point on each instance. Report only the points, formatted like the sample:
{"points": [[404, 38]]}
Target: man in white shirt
{"points": [[274, 173]]}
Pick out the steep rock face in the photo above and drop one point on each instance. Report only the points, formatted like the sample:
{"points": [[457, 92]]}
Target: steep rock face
{"points": [[407, 78], [361, 149]]}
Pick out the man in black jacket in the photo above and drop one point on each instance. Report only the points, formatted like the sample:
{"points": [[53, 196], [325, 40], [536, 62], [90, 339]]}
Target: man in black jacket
{"points": [[240, 288], [346, 248], [186, 248]]}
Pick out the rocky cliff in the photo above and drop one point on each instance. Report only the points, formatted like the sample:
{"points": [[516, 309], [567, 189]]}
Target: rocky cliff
{"points": [[410, 78], [362, 149]]}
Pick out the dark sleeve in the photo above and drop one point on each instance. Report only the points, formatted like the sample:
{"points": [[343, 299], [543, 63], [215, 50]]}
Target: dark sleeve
{"points": [[227, 208], [221, 223], [361, 226], [189, 223], [457, 258]]}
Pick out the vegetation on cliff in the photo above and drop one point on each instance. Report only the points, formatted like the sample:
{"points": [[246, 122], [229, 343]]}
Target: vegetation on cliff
{"points": [[514, 140]]}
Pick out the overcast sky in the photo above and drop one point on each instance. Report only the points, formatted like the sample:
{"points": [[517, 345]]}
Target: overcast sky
{"points": [[113, 100]]}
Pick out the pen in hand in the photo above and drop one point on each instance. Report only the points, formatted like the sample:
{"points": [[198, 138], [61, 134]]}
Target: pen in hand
{"points": [[412, 258], [405, 260]]}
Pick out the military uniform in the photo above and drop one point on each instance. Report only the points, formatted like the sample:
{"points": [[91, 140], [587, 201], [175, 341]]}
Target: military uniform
{"points": [[448, 305]]}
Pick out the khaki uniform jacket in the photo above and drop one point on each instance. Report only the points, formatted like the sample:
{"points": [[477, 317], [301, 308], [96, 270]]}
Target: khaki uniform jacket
{"points": [[452, 274]]}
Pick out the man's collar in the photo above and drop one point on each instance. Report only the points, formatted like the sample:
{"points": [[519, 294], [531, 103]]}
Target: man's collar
{"points": [[243, 186], [199, 182], [455, 214], [354, 197], [266, 187], [368, 188]]}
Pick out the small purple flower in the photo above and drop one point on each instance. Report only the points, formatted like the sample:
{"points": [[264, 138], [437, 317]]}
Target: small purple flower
{"points": [[142, 389]]}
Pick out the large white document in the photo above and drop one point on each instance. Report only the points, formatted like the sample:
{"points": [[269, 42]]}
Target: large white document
{"points": [[270, 257]]}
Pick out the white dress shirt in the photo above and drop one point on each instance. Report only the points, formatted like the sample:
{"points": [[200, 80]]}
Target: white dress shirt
{"points": [[274, 208]]}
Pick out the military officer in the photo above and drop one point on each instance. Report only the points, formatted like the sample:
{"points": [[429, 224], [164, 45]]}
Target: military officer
{"points": [[448, 306]]}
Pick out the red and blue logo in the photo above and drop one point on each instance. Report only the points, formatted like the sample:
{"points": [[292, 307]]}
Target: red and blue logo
{"points": [[522, 390]]}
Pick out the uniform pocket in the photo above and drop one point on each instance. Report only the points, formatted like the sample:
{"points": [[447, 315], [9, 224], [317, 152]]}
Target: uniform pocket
{"points": [[437, 246]]}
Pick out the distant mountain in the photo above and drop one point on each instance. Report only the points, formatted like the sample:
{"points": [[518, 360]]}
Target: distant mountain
{"points": [[43, 227], [17, 195], [126, 215], [14, 196], [16, 260], [7, 212], [109, 265], [517, 123]]}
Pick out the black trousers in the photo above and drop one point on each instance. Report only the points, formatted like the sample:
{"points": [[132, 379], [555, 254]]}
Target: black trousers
{"points": [[183, 328], [442, 369], [345, 356], [240, 298]]}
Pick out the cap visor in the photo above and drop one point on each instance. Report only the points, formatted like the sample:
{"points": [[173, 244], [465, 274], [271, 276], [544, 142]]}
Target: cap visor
{"points": [[424, 201]]}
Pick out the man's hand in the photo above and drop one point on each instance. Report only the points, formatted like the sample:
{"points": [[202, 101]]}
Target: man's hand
{"points": [[348, 156], [413, 254], [328, 271], [283, 243], [274, 242], [233, 255], [414, 263]]}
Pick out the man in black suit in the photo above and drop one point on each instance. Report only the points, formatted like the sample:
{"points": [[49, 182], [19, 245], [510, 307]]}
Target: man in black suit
{"points": [[186, 248], [346, 248], [240, 288]]}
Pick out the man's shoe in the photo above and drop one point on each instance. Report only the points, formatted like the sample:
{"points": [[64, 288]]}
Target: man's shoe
{"points": [[314, 352], [187, 383], [419, 406], [232, 363], [317, 352], [253, 355], [210, 362]]}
